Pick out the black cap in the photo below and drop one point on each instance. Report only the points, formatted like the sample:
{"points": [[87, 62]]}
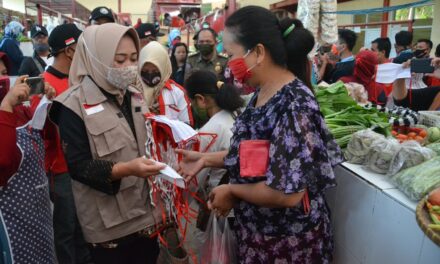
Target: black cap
{"points": [[63, 36], [37, 29], [102, 12], [147, 29]]}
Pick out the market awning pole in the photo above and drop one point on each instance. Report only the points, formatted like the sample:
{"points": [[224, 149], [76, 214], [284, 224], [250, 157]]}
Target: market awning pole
{"points": [[384, 28], [39, 15], [73, 8]]}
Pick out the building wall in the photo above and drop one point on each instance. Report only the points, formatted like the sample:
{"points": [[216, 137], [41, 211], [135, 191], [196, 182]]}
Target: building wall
{"points": [[435, 34], [15, 5], [262, 3], [138, 8], [363, 4]]}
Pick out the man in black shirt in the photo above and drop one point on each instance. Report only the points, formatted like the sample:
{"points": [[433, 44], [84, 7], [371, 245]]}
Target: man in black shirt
{"points": [[35, 65], [345, 45]]}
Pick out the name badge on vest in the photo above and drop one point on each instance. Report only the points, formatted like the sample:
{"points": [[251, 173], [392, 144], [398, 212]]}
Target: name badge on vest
{"points": [[93, 109]]}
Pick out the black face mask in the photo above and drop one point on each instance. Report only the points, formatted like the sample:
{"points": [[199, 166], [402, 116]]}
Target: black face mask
{"points": [[206, 49], [420, 53], [41, 47], [151, 79]]}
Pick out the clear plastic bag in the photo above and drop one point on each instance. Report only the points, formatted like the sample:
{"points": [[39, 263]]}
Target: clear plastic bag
{"points": [[360, 145], [411, 154], [220, 245], [381, 154], [418, 181]]}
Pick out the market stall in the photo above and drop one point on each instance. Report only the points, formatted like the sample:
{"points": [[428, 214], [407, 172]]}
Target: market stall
{"points": [[374, 222], [393, 164]]}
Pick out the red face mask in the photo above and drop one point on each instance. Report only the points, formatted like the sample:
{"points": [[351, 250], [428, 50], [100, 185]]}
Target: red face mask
{"points": [[240, 70]]}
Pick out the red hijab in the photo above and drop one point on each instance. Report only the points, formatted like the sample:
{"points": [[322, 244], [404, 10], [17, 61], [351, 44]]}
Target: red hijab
{"points": [[364, 72]]}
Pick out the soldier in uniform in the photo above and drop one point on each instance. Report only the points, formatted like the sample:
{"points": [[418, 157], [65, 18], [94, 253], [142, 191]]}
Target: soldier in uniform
{"points": [[207, 57]]}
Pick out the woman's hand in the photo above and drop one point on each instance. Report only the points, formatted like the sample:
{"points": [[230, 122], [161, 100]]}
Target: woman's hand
{"points": [[191, 164], [221, 200], [16, 95], [140, 167]]}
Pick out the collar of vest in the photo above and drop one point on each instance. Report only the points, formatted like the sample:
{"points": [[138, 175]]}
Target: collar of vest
{"points": [[92, 92]]}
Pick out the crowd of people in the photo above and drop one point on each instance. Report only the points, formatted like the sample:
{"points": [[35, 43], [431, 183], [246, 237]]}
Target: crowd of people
{"points": [[420, 92], [74, 170]]}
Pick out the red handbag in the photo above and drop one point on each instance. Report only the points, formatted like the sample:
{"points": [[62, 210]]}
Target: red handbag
{"points": [[254, 158]]}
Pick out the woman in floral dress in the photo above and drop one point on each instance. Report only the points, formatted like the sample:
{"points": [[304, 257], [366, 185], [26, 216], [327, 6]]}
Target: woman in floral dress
{"points": [[281, 217]]}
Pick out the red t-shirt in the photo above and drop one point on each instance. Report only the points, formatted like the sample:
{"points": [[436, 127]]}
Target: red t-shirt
{"points": [[54, 160], [10, 154]]}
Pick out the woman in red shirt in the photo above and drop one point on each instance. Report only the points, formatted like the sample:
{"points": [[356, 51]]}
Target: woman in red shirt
{"points": [[24, 202]]}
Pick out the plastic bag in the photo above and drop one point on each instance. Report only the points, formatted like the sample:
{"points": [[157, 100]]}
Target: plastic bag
{"points": [[418, 181], [411, 154], [435, 147], [381, 154], [220, 245], [360, 145]]}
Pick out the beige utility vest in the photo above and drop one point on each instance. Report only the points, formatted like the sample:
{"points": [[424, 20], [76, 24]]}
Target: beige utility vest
{"points": [[106, 217]]}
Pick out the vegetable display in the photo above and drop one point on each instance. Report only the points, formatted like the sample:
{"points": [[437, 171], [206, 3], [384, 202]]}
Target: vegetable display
{"points": [[381, 155], [356, 118], [333, 98], [433, 205], [433, 134], [409, 133], [360, 145], [410, 154], [418, 181]]}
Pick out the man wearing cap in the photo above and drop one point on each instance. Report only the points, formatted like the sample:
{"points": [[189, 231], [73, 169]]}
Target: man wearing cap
{"points": [[35, 65], [69, 242], [207, 57], [148, 32], [101, 15]]}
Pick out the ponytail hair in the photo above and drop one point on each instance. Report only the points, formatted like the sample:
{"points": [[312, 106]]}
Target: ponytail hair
{"points": [[205, 83], [287, 41], [298, 42]]}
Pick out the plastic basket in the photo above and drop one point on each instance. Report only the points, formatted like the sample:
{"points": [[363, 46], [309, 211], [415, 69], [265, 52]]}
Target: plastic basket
{"points": [[429, 118]]}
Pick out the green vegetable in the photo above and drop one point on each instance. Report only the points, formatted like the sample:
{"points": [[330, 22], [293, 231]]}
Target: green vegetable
{"points": [[418, 181], [433, 134], [334, 98], [434, 227], [360, 117], [343, 142], [435, 147]]}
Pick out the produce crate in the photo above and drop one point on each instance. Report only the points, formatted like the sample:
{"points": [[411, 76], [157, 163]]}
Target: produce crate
{"points": [[423, 219], [429, 118]]}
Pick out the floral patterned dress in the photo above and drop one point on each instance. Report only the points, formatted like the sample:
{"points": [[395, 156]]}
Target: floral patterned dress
{"points": [[302, 156]]}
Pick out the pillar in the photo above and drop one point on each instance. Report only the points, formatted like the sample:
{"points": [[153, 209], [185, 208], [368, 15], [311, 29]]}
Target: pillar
{"points": [[435, 33]]}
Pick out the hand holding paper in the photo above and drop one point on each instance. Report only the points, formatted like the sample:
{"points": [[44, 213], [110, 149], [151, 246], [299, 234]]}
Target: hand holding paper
{"points": [[169, 174], [389, 72]]}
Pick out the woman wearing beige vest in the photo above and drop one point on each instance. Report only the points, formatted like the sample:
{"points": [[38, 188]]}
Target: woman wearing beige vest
{"points": [[103, 130]]}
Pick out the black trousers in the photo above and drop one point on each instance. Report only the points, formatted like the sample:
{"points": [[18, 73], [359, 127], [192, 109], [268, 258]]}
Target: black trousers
{"points": [[139, 250], [70, 245]]}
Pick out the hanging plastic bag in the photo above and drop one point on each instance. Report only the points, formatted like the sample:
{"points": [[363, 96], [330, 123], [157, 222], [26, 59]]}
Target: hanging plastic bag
{"points": [[220, 245]]}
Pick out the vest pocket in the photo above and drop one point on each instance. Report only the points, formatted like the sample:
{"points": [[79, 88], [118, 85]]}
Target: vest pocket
{"points": [[128, 203], [106, 132]]}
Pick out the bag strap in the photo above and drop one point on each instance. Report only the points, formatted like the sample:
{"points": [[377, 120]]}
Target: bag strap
{"points": [[38, 64]]}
